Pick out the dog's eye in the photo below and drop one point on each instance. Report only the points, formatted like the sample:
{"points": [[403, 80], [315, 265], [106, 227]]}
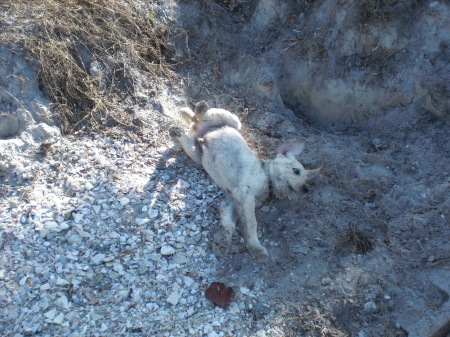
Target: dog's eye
{"points": [[296, 171]]}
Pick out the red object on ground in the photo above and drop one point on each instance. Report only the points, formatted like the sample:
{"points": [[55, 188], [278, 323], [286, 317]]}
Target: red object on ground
{"points": [[220, 294]]}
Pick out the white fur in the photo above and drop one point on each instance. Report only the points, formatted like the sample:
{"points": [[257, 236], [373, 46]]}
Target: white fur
{"points": [[214, 142]]}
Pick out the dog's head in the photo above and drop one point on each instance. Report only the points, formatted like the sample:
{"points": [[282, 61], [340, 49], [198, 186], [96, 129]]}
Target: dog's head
{"points": [[287, 175]]}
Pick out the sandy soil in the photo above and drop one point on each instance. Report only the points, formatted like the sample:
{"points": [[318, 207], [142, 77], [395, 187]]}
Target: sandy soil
{"points": [[365, 252]]}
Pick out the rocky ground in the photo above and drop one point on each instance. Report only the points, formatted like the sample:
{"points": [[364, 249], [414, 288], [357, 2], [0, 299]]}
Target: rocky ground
{"points": [[106, 234]]}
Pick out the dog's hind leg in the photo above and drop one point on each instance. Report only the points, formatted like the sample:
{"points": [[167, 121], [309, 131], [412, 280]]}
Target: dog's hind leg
{"points": [[222, 239], [187, 114], [191, 146], [201, 108]]}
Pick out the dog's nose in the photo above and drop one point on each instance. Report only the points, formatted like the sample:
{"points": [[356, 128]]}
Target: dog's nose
{"points": [[305, 189]]}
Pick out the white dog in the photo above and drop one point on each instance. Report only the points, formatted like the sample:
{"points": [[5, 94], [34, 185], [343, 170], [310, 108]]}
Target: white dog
{"points": [[214, 142]]}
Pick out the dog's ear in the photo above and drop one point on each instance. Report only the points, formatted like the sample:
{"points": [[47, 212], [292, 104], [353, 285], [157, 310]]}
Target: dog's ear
{"points": [[291, 149], [312, 175]]}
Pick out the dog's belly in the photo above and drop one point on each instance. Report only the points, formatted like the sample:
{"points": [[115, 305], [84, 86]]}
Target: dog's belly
{"points": [[230, 163]]}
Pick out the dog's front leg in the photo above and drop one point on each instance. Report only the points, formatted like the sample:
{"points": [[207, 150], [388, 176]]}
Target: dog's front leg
{"points": [[245, 203], [222, 239]]}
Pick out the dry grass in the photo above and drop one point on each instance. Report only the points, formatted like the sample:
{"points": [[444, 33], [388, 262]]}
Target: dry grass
{"points": [[88, 53], [354, 241], [311, 321], [379, 11], [310, 42]]}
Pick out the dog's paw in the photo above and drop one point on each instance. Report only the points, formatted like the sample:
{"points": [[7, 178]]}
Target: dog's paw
{"points": [[221, 244], [260, 254], [175, 132], [201, 108]]}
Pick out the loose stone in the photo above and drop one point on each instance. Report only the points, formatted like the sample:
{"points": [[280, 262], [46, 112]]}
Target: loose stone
{"points": [[62, 302], [167, 250], [174, 298]]}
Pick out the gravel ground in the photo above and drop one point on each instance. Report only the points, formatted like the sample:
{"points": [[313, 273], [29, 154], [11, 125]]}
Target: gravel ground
{"points": [[111, 238]]}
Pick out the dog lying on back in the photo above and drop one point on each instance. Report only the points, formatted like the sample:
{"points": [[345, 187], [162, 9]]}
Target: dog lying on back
{"points": [[214, 142]]}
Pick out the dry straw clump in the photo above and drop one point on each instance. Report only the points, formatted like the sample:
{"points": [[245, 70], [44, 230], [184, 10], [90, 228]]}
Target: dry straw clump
{"points": [[382, 11], [88, 53]]}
